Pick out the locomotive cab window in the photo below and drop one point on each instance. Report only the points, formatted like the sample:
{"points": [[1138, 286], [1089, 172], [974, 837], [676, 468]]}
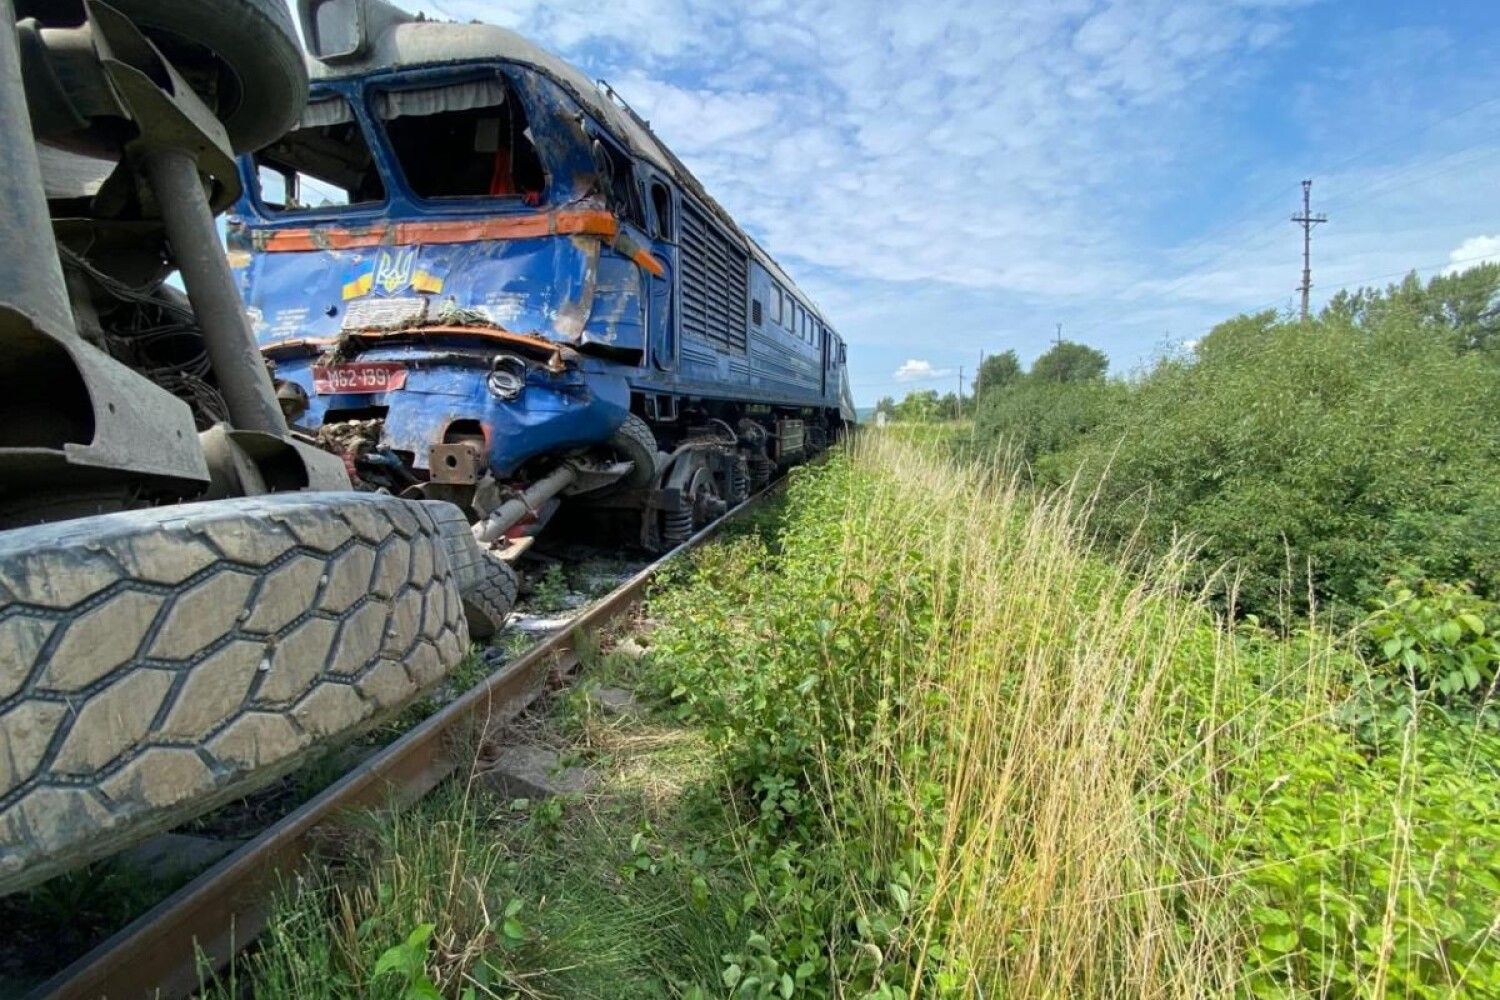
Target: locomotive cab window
{"points": [[323, 163], [463, 140]]}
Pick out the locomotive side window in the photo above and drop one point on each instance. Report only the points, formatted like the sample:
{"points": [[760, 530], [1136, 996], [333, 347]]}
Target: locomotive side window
{"points": [[661, 205], [462, 140], [617, 176], [323, 163]]}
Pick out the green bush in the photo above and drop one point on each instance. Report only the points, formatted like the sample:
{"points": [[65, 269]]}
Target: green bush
{"points": [[1439, 636], [1034, 420], [1315, 460]]}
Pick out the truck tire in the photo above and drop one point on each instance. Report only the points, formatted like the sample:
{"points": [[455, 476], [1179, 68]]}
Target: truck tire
{"points": [[261, 86], [156, 663], [487, 605], [636, 442], [466, 558]]}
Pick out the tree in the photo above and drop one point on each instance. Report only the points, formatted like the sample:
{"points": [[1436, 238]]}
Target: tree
{"points": [[947, 407], [886, 405], [1465, 304], [1069, 362], [997, 372], [1324, 457], [1034, 420], [917, 407]]}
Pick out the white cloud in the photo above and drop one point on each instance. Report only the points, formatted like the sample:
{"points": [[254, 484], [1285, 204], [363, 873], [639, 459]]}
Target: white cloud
{"points": [[967, 142], [1474, 251], [989, 169], [920, 370]]}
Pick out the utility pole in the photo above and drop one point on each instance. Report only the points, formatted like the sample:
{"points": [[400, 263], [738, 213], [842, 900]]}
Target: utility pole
{"points": [[1307, 220], [1057, 341]]}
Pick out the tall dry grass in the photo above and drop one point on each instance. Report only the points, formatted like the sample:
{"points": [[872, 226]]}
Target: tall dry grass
{"points": [[1080, 717]]}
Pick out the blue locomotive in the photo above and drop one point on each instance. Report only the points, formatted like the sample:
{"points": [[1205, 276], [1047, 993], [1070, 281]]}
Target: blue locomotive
{"points": [[479, 276]]}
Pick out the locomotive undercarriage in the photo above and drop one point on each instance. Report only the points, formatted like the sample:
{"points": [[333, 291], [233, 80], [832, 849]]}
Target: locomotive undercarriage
{"points": [[652, 486]]}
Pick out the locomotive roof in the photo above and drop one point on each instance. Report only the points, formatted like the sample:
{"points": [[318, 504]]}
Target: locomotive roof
{"points": [[398, 39]]}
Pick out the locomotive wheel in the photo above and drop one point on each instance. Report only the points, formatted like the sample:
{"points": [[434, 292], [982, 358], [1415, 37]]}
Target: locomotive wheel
{"points": [[488, 603], [703, 494], [155, 663]]}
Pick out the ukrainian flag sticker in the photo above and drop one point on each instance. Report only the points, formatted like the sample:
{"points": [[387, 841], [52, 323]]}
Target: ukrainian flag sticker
{"points": [[361, 280]]}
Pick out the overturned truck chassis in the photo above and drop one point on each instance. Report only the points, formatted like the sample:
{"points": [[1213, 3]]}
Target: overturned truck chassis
{"points": [[82, 429]]}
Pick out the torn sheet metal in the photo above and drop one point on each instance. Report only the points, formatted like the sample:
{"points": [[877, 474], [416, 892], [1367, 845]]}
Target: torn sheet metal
{"points": [[548, 287]]}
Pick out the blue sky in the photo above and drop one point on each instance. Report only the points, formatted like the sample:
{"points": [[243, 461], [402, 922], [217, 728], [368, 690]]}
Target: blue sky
{"points": [[951, 176]]}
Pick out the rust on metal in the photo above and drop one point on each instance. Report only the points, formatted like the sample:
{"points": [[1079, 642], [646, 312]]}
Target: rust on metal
{"points": [[552, 352], [565, 222], [457, 463], [204, 924]]}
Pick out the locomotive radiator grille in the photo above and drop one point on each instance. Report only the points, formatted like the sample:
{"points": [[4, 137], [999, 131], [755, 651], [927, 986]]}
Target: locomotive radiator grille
{"points": [[715, 283]]}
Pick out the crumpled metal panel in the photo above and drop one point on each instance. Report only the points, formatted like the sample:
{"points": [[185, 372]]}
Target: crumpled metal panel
{"points": [[554, 412], [568, 289]]}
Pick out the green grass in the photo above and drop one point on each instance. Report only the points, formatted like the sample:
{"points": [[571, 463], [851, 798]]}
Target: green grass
{"points": [[627, 892], [986, 761], [916, 737]]}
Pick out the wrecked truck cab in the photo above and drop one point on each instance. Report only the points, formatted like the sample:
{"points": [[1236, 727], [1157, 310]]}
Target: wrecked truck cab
{"points": [[441, 254]]}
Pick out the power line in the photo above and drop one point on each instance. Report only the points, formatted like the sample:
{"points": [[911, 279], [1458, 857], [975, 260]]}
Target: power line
{"points": [[1307, 220], [1365, 282], [1268, 203], [1417, 173]]}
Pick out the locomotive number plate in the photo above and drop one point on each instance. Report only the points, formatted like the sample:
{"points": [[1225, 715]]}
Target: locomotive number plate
{"points": [[361, 376]]}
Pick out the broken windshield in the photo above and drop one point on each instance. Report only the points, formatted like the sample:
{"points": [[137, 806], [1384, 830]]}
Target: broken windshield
{"points": [[468, 139], [323, 163]]}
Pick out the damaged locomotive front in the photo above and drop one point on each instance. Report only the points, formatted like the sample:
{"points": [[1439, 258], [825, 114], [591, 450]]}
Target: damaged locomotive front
{"points": [[480, 277]]}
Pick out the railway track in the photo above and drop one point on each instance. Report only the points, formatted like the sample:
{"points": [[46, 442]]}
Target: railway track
{"points": [[207, 922]]}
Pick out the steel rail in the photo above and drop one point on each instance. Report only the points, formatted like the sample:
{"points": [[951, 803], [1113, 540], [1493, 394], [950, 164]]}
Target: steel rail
{"points": [[162, 953]]}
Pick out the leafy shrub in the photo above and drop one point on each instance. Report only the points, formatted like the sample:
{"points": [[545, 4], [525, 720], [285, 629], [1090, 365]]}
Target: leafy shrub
{"points": [[1321, 457], [973, 759], [1034, 418], [1440, 636], [1371, 868]]}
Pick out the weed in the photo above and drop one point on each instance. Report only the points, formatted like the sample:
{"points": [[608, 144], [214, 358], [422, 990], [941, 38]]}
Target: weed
{"points": [[550, 588], [1439, 636], [975, 759]]}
